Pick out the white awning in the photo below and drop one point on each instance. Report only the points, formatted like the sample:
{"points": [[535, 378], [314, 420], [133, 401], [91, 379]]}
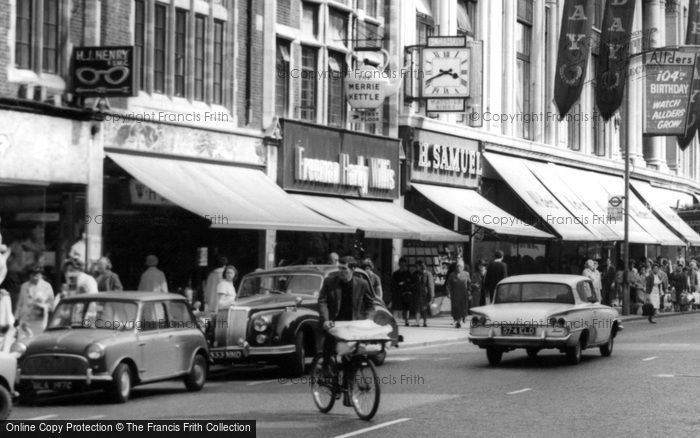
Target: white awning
{"points": [[232, 197], [472, 207], [674, 198], [423, 7], [378, 219], [519, 177], [658, 201]]}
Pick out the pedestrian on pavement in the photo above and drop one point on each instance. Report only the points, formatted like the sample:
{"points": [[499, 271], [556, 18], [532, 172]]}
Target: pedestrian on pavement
{"points": [[458, 289], [425, 292], [649, 310], [34, 304], [77, 281], [106, 279], [495, 272], [655, 286], [477, 285], [607, 277], [7, 321], [333, 258], [374, 279], [591, 272], [678, 280], [401, 286], [225, 290], [153, 279], [213, 279]]}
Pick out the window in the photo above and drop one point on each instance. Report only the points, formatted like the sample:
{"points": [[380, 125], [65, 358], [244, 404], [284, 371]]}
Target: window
{"points": [[199, 36], [598, 13], [309, 19], [371, 7], [308, 84], [179, 315], [466, 18], [139, 41], [424, 28], [336, 102], [523, 35], [23, 34], [159, 49], [574, 127], [149, 319], [50, 59], [370, 35], [180, 51], [585, 291], [338, 27], [282, 79], [218, 61]]}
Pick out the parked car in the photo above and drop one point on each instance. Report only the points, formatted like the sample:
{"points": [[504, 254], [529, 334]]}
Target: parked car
{"points": [[275, 319], [114, 341], [8, 369], [544, 311]]}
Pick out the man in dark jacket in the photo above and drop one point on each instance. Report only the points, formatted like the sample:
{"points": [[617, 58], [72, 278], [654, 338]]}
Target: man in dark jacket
{"points": [[343, 297], [495, 272], [402, 289]]}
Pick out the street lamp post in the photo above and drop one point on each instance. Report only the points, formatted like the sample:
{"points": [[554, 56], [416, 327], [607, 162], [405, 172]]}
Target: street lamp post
{"points": [[626, 243]]}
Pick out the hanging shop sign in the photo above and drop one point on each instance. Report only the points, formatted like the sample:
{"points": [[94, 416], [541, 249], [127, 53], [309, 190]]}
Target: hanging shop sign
{"points": [[364, 116], [667, 84], [439, 158], [616, 209], [104, 71], [367, 86], [336, 161], [140, 194]]}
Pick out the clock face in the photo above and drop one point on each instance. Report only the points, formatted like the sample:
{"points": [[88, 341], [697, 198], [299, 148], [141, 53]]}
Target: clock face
{"points": [[445, 72]]}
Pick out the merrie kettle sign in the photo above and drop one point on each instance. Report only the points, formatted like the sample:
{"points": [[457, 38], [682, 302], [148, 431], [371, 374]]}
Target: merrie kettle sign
{"points": [[367, 86]]}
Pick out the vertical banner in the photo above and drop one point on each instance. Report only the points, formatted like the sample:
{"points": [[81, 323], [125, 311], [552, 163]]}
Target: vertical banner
{"points": [[692, 37], [572, 56], [668, 75], [611, 70]]}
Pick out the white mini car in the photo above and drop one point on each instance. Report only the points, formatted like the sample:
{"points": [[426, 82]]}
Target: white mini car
{"points": [[544, 311], [8, 370]]}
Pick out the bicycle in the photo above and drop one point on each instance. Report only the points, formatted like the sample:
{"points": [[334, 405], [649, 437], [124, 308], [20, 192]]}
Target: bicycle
{"points": [[355, 377]]}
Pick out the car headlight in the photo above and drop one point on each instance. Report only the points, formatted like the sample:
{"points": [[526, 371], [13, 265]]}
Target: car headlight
{"points": [[260, 339], [478, 320], [94, 351], [561, 322], [261, 323], [18, 348]]}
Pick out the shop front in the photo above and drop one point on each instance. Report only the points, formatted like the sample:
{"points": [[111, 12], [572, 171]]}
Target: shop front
{"points": [[352, 178], [189, 196], [44, 173], [443, 178]]}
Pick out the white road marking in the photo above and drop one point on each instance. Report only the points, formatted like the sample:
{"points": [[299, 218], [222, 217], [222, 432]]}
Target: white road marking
{"points": [[262, 382], [520, 391], [665, 375], [96, 417], [369, 429], [650, 358], [43, 417], [399, 359], [406, 347]]}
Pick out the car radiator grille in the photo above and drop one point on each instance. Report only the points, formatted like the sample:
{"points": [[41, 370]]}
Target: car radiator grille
{"points": [[45, 365], [234, 327]]}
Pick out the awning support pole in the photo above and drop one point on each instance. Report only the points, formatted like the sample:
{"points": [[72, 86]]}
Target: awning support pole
{"points": [[626, 244]]}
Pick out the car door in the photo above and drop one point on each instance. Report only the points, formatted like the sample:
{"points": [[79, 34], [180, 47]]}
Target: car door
{"points": [[589, 314], [185, 335], [156, 353]]}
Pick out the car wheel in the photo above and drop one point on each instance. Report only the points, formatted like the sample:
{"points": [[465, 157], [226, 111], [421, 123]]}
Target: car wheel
{"points": [[5, 403], [532, 353], [573, 354], [27, 393], [294, 366], [120, 388], [606, 350], [494, 356], [379, 358], [194, 381]]}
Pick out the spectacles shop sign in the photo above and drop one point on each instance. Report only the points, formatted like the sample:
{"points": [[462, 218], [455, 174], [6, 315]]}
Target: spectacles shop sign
{"points": [[104, 71]]}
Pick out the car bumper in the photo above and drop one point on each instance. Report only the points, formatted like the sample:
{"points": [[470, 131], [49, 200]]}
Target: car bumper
{"points": [[541, 341], [86, 378], [229, 354]]}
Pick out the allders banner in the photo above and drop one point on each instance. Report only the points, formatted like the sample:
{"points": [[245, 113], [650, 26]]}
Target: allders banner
{"points": [[572, 57], [692, 37], [613, 59]]}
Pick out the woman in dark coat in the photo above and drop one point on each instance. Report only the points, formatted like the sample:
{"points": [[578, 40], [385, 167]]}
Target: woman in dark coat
{"points": [[477, 279], [458, 290]]}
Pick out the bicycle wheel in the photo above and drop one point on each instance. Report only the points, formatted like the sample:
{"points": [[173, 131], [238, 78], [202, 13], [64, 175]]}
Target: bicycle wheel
{"points": [[324, 383], [364, 389]]}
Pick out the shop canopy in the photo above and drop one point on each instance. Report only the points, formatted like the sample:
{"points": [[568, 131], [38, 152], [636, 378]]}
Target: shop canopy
{"points": [[518, 176], [379, 219], [230, 196], [658, 201], [472, 207]]}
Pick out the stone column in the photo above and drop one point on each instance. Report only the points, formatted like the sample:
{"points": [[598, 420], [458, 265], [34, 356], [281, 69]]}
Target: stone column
{"points": [[539, 46], [509, 70], [632, 122], [655, 147], [551, 128], [483, 30], [94, 193], [674, 36]]}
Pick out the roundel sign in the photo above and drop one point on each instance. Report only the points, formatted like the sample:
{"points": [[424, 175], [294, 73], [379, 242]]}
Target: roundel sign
{"points": [[615, 201]]}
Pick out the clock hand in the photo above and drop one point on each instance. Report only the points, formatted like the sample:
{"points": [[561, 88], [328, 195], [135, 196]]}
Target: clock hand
{"points": [[449, 72], [442, 72]]}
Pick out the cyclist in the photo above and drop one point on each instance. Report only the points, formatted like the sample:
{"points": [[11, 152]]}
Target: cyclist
{"points": [[343, 297]]}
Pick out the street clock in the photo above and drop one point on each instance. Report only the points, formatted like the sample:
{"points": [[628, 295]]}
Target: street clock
{"points": [[445, 72]]}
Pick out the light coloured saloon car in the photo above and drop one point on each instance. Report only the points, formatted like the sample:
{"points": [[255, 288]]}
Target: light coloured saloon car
{"points": [[8, 368], [541, 311]]}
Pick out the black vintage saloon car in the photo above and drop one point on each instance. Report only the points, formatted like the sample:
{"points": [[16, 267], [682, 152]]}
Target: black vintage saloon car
{"points": [[275, 319]]}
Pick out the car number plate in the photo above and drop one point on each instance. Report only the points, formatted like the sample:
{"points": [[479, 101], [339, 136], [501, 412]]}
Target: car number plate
{"points": [[514, 330], [227, 354], [52, 385]]}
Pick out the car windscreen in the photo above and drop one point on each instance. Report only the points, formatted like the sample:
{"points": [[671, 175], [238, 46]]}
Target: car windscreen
{"points": [[534, 293], [96, 314], [299, 284]]}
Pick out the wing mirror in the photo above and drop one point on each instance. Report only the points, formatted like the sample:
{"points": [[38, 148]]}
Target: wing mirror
{"points": [[297, 301]]}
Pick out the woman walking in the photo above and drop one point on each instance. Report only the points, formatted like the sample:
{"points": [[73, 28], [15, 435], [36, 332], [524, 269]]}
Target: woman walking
{"points": [[458, 290], [225, 291]]}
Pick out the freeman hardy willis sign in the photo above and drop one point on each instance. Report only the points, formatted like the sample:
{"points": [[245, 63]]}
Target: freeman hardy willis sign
{"points": [[104, 71], [667, 87]]}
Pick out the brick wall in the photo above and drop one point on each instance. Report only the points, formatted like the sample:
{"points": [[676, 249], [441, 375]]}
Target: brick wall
{"points": [[116, 29], [5, 88], [256, 74]]}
